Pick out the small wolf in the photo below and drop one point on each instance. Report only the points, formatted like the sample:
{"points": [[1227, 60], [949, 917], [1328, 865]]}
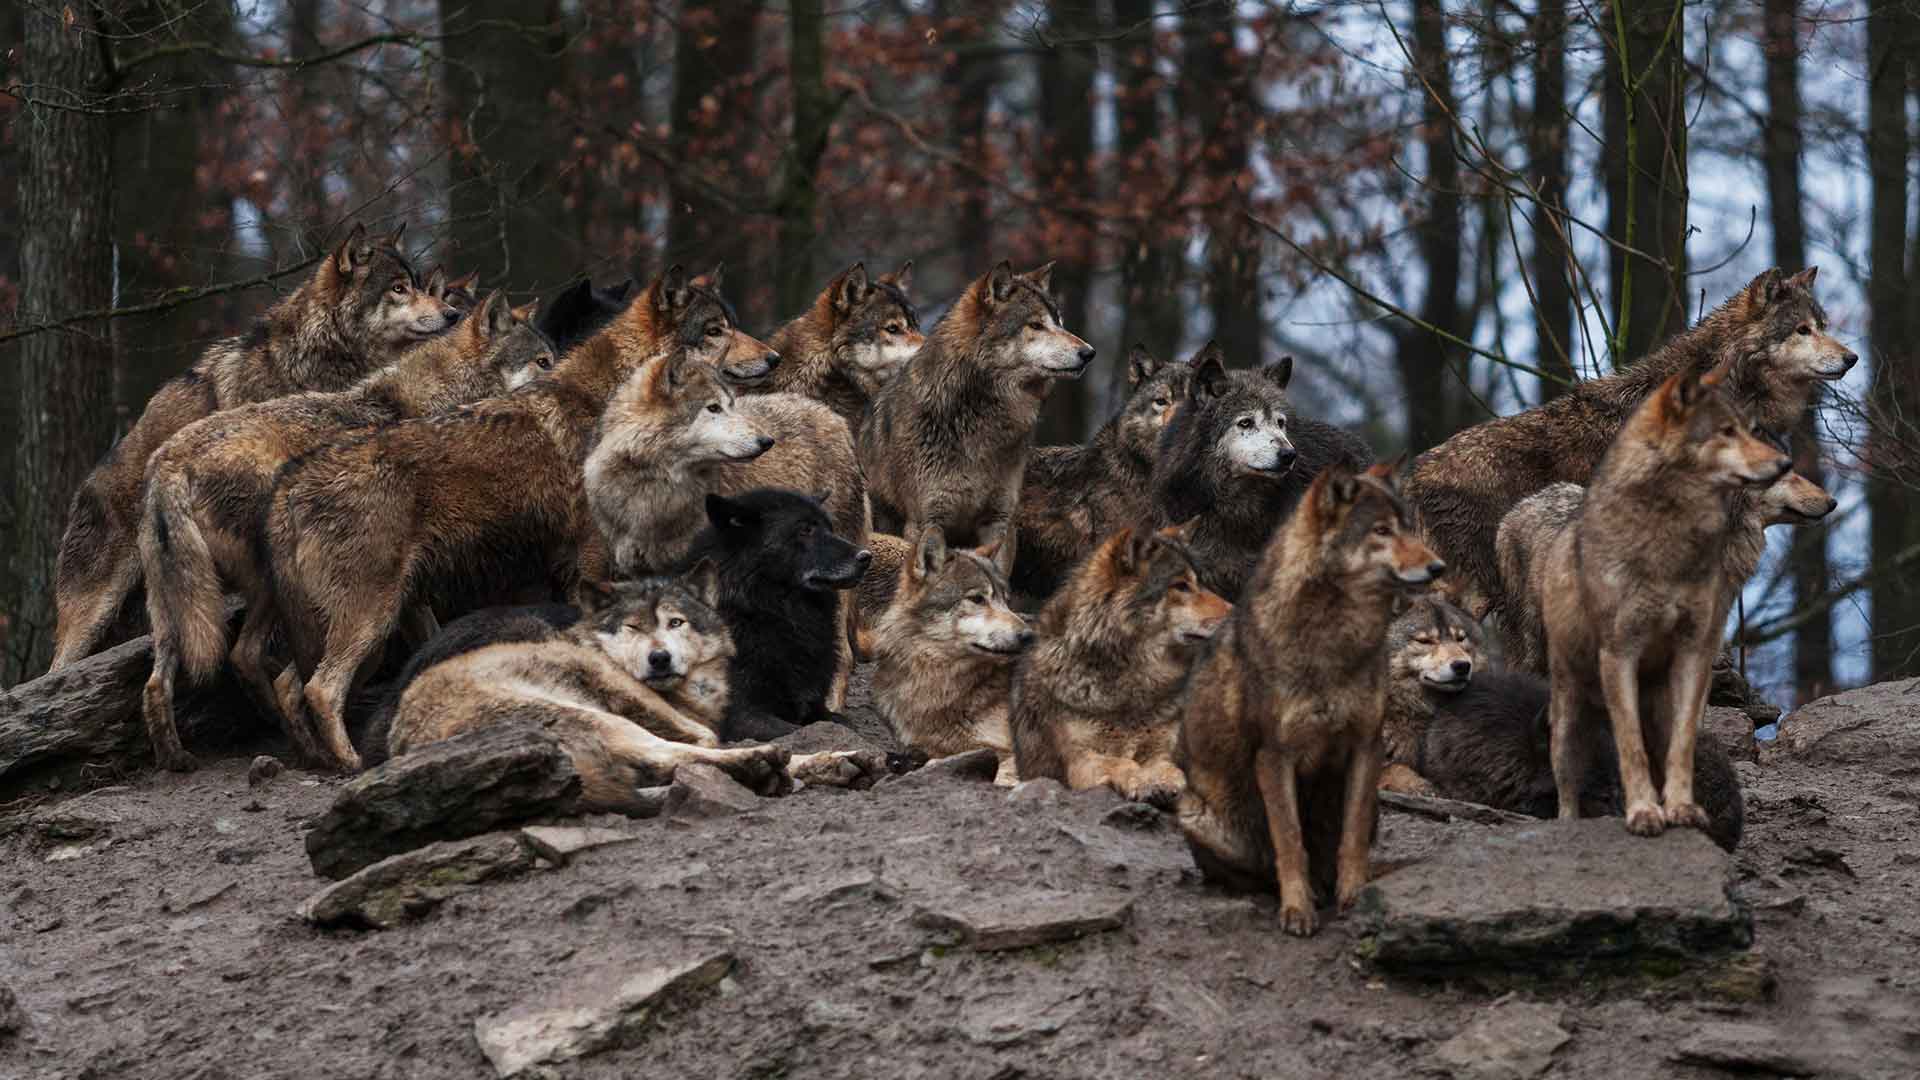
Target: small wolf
{"points": [[1634, 596], [782, 568], [206, 485], [1073, 497], [1235, 461], [582, 310], [464, 509], [360, 309], [944, 653], [1772, 332], [855, 338], [1280, 742], [1434, 650], [946, 441], [633, 691], [1097, 701]]}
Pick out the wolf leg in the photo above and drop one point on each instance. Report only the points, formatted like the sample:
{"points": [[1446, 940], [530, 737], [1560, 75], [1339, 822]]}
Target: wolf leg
{"points": [[351, 640], [1398, 778], [843, 651], [1620, 683], [84, 612], [156, 707], [1688, 679], [1279, 790], [856, 769], [1356, 822], [249, 662], [1564, 709]]}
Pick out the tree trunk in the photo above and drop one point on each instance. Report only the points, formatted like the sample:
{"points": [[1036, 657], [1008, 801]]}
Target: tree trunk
{"points": [[812, 120], [1424, 358], [509, 218], [65, 396], [969, 86], [1646, 166], [1547, 164], [1065, 144], [310, 137], [1895, 397], [713, 58], [1216, 92], [1150, 267]]}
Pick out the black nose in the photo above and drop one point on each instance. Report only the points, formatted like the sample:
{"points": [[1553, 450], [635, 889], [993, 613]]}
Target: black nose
{"points": [[659, 660], [1851, 359], [772, 359], [1086, 353], [1287, 458], [1026, 638], [765, 443], [1463, 667], [1785, 466], [1436, 568], [863, 556]]}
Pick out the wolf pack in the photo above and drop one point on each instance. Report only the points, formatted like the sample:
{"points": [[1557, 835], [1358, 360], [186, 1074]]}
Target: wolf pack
{"points": [[623, 519]]}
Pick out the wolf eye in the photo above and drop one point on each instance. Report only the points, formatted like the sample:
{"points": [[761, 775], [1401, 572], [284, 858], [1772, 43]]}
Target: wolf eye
{"points": [[1729, 431], [1179, 586], [544, 360], [1805, 330], [977, 598], [676, 623], [1161, 403], [895, 328], [714, 331], [1036, 325], [1423, 639], [713, 406], [1459, 635], [399, 288], [1383, 529], [1245, 423]]}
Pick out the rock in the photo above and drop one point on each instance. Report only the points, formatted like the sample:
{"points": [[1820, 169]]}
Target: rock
{"points": [[1022, 920], [1438, 809], [973, 765], [408, 885], [1738, 1047], [12, 1018], [264, 768], [816, 894], [825, 736], [69, 852], [1554, 900], [558, 844], [1130, 848], [85, 818], [703, 791], [1875, 727], [1731, 690], [1138, 816], [592, 1011], [1734, 729], [1046, 791], [464, 786], [1509, 1041]]}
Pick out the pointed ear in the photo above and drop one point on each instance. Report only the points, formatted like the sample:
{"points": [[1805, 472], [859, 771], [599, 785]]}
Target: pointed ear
{"points": [[393, 238], [1681, 393], [1041, 277], [466, 282], [670, 289], [1141, 366], [1338, 486], [1718, 373], [713, 279], [1130, 551], [527, 312], [593, 596], [727, 513], [1180, 533], [494, 317], [437, 283], [352, 251], [1804, 279], [1280, 372], [991, 551], [704, 581], [1388, 472], [1763, 287], [657, 378], [902, 278], [1000, 282], [851, 289], [1209, 373], [929, 555]]}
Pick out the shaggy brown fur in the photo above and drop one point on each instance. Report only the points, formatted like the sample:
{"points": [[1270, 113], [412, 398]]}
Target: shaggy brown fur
{"points": [[1433, 649], [473, 507], [1634, 595], [1073, 497], [361, 308], [875, 595], [1097, 701], [206, 486], [946, 441], [1280, 741], [944, 654], [1773, 333], [855, 338]]}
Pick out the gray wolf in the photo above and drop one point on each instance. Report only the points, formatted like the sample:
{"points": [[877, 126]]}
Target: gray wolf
{"points": [[1434, 649], [855, 338]]}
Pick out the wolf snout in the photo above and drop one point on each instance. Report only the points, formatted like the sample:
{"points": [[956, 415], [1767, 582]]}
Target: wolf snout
{"points": [[772, 359], [863, 557], [1025, 638], [1086, 355], [659, 662], [1462, 668], [763, 443], [1284, 463]]}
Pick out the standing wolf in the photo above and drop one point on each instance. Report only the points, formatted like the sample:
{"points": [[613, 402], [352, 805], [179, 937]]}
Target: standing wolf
{"points": [[946, 441], [1634, 595], [1279, 736], [1773, 333], [855, 338], [1097, 701], [1073, 497], [1235, 460], [361, 308]]}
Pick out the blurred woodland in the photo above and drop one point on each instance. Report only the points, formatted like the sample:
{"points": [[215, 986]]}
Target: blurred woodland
{"points": [[1444, 211]]}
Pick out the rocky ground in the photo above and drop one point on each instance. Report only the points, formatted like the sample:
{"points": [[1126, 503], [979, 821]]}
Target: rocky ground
{"points": [[937, 926]]}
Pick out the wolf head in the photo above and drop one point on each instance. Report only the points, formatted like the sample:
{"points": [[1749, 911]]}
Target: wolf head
{"points": [[581, 309], [1791, 500], [1155, 390], [690, 319], [459, 293], [1693, 424], [683, 414], [492, 350], [875, 328], [662, 629], [1365, 529], [1783, 334], [768, 538], [957, 601], [376, 301], [1011, 325], [1152, 575], [1241, 416], [1435, 644], [520, 353]]}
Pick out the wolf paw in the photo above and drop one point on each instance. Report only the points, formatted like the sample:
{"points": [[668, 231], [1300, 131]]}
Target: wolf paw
{"points": [[1298, 918], [1686, 815], [761, 768], [856, 769], [1645, 819], [176, 760]]}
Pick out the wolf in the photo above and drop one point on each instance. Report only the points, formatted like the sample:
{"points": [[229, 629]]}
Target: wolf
{"points": [[944, 653], [471, 507], [1434, 649], [632, 690], [582, 309], [1634, 597], [1073, 497], [362, 306], [1097, 701], [1234, 460], [460, 294], [206, 485], [946, 441], [1773, 333], [1280, 742], [855, 338], [782, 568]]}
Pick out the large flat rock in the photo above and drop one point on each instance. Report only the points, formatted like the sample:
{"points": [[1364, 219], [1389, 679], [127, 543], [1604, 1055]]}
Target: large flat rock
{"points": [[1875, 727], [406, 886], [1023, 919], [594, 1010], [1556, 900]]}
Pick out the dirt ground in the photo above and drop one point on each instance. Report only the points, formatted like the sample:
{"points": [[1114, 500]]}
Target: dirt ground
{"points": [[170, 948]]}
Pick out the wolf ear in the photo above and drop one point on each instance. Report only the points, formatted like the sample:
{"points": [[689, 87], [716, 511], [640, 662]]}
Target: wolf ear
{"points": [[1763, 288], [726, 513], [1804, 279], [670, 289], [466, 282], [902, 278], [712, 278], [618, 294], [853, 287], [1209, 373], [1280, 372], [930, 554], [991, 551], [1141, 366], [1131, 549], [437, 283], [495, 317], [353, 251], [392, 239], [593, 596], [1338, 487], [704, 581], [1181, 533], [1000, 282], [1040, 277], [1388, 472], [526, 313], [1683, 391]]}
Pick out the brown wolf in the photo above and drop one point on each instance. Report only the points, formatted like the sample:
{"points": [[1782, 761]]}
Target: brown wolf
{"points": [[206, 485], [633, 691], [1097, 701], [1279, 735], [1773, 332], [1434, 650], [1634, 595], [1073, 497], [944, 653], [857, 335], [468, 508], [946, 441], [361, 308]]}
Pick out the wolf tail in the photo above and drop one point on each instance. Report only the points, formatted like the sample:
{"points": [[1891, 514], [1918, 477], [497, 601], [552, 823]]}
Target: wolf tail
{"points": [[185, 601]]}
